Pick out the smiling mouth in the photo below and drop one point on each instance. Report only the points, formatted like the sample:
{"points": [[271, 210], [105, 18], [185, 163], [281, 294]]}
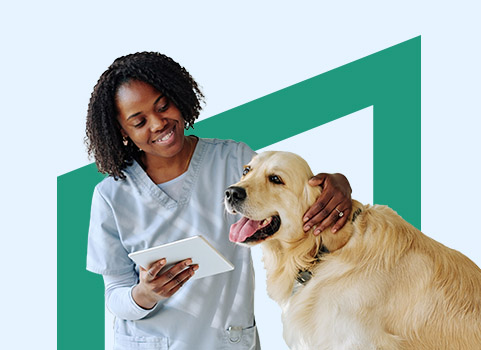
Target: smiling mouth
{"points": [[166, 137], [252, 231]]}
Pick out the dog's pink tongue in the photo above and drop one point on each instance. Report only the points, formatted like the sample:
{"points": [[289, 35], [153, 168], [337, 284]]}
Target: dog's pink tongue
{"points": [[243, 229]]}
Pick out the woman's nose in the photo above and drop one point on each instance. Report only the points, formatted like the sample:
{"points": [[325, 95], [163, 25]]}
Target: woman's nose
{"points": [[157, 123]]}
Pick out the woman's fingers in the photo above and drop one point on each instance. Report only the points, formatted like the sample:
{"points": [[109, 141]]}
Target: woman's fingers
{"points": [[179, 280], [171, 280], [175, 270], [318, 180], [154, 285], [320, 203], [335, 218], [340, 222], [321, 209], [321, 217], [336, 211], [167, 283], [332, 207], [316, 213], [155, 268]]}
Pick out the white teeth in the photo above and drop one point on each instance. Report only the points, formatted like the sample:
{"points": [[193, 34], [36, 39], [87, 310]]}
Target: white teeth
{"points": [[265, 222], [166, 137]]}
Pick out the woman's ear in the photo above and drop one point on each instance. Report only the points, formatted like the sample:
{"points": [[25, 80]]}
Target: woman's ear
{"points": [[125, 137]]}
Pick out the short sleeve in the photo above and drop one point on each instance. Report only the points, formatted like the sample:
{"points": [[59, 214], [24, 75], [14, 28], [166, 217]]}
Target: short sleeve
{"points": [[105, 253]]}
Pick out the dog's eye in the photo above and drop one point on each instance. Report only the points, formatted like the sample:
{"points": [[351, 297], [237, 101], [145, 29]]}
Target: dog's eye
{"points": [[246, 170], [275, 179]]}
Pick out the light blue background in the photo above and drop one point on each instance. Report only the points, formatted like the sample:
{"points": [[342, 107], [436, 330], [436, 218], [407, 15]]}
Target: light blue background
{"points": [[53, 52]]}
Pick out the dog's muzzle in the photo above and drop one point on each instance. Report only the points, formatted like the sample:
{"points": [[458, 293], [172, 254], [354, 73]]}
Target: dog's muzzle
{"points": [[234, 195], [248, 230]]}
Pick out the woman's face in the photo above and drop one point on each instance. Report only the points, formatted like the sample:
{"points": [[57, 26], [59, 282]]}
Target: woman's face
{"points": [[150, 120]]}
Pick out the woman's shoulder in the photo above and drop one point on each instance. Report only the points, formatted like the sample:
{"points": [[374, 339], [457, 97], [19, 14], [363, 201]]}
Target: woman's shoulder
{"points": [[222, 144], [229, 153], [109, 185]]}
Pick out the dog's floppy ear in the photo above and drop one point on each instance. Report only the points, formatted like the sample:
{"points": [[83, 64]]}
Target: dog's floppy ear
{"points": [[311, 193]]}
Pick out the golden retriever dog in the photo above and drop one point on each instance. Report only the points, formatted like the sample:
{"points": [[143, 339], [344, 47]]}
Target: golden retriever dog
{"points": [[378, 283]]}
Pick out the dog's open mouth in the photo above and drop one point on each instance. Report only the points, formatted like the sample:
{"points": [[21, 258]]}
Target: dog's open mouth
{"points": [[247, 230]]}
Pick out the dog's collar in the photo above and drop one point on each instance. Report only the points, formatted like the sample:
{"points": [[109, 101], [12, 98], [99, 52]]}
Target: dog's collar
{"points": [[304, 276], [356, 213]]}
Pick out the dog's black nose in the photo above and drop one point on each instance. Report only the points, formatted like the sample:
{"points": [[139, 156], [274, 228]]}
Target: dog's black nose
{"points": [[235, 194]]}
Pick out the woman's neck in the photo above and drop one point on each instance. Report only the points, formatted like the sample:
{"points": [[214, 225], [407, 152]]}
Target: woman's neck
{"points": [[161, 170]]}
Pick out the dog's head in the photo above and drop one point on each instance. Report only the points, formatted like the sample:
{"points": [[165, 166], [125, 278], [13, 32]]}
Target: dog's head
{"points": [[272, 196]]}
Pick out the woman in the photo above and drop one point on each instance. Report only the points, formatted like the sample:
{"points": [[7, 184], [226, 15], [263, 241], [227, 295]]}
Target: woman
{"points": [[164, 186]]}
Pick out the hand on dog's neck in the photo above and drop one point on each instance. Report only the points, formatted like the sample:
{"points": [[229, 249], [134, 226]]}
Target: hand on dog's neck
{"points": [[332, 241], [335, 241]]}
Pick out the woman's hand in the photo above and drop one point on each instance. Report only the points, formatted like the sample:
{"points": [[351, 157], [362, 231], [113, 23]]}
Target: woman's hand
{"points": [[153, 287], [332, 207]]}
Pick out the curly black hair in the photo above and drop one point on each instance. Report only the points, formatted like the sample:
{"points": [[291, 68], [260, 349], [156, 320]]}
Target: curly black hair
{"points": [[103, 137]]}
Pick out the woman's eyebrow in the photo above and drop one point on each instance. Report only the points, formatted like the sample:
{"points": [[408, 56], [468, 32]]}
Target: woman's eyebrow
{"points": [[158, 98], [155, 102], [133, 115]]}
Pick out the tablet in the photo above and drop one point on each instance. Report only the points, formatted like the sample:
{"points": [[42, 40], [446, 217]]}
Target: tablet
{"points": [[210, 261]]}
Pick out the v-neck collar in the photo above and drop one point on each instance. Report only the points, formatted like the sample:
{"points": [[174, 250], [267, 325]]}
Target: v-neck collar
{"points": [[148, 187]]}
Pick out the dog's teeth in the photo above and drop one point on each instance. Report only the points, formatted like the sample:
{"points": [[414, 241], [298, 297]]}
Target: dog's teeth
{"points": [[265, 222]]}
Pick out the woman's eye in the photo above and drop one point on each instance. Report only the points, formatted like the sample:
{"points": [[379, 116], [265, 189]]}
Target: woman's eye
{"points": [[246, 170], [140, 124], [276, 180], [164, 107]]}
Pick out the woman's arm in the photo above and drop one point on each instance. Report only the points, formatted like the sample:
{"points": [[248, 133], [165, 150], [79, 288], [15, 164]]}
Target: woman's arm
{"points": [[132, 297], [333, 205], [118, 296]]}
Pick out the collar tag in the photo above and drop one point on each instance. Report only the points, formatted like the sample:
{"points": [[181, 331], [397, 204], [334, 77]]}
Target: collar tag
{"points": [[304, 276], [296, 287]]}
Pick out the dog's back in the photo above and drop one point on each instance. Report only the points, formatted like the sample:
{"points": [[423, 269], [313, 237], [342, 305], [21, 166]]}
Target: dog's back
{"points": [[440, 295], [421, 294]]}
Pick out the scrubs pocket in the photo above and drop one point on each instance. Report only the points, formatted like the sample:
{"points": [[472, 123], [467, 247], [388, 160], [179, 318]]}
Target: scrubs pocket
{"points": [[126, 342], [242, 338]]}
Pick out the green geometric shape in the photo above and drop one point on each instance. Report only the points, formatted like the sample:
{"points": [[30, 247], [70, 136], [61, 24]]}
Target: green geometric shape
{"points": [[389, 80], [80, 301]]}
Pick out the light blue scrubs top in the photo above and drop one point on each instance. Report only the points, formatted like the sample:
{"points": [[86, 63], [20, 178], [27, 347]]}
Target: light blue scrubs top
{"points": [[128, 215]]}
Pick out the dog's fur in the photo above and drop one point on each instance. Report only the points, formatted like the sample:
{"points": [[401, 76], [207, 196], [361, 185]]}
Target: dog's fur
{"points": [[383, 284]]}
